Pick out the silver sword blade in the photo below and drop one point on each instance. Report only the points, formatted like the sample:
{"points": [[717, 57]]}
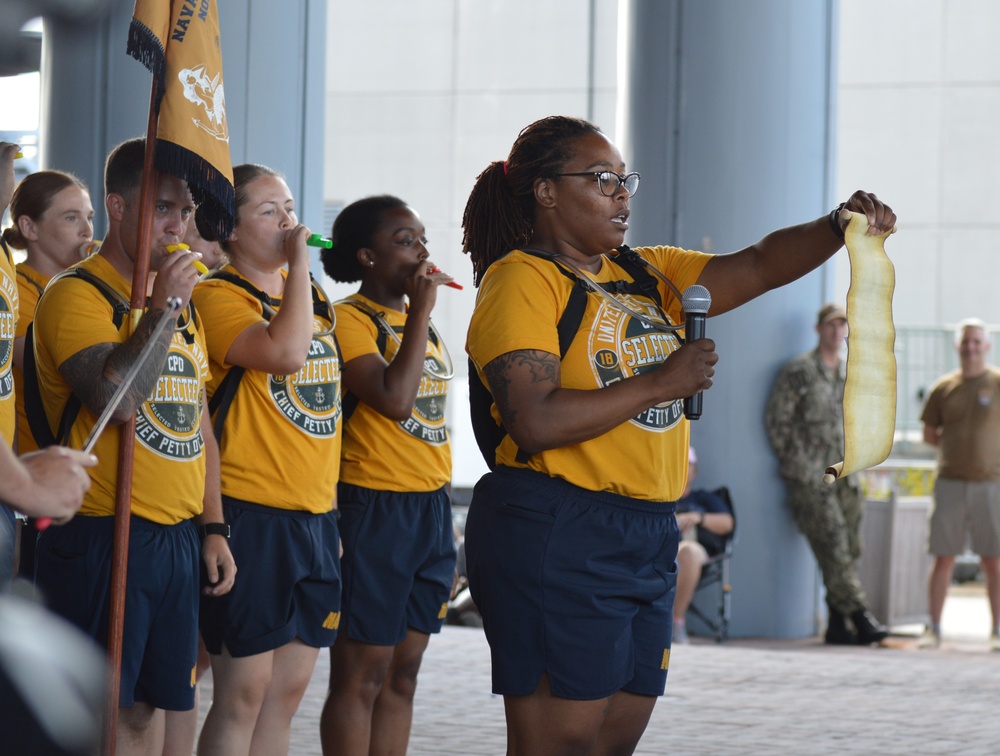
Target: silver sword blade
{"points": [[173, 304]]}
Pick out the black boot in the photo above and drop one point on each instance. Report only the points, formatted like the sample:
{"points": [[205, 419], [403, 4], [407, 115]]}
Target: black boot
{"points": [[869, 629], [837, 631]]}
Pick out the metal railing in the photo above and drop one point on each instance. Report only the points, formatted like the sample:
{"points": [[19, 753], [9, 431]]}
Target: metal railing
{"points": [[923, 354]]}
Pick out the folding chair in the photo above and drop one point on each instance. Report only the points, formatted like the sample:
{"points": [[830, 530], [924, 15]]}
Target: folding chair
{"points": [[715, 572]]}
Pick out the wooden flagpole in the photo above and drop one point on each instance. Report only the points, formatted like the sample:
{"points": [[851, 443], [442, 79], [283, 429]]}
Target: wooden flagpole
{"points": [[126, 442]]}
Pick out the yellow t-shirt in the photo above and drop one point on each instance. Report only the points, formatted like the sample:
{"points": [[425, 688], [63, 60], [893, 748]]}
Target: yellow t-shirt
{"points": [[380, 453], [30, 285], [281, 442], [8, 324], [168, 483], [520, 301]]}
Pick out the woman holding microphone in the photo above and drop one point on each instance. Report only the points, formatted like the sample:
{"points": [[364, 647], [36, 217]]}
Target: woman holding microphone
{"points": [[571, 540]]}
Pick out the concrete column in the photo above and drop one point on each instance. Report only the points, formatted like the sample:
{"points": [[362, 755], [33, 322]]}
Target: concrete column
{"points": [[95, 95], [727, 115]]}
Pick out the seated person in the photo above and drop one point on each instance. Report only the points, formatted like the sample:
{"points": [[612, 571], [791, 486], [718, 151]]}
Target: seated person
{"points": [[704, 519], [462, 609]]}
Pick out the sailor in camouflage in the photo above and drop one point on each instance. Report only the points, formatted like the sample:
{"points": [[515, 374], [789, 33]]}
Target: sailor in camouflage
{"points": [[805, 424]]}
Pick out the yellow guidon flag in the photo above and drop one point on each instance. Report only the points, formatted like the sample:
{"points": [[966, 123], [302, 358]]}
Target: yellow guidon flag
{"points": [[870, 390], [178, 40]]}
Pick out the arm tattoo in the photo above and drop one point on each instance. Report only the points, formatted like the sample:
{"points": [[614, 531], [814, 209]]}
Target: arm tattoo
{"points": [[95, 373], [544, 367], [496, 376]]}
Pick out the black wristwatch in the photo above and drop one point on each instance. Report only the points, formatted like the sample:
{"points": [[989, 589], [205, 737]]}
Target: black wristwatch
{"points": [[214, 528], [834, 219]]}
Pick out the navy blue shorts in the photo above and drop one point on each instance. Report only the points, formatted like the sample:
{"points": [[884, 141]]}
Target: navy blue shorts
{"points": [[8, 533], [399, 562], [287, 581], [160, 641], [574, 583]]}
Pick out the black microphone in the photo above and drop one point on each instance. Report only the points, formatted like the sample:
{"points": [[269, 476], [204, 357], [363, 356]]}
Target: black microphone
{"points": [[696, 301]]}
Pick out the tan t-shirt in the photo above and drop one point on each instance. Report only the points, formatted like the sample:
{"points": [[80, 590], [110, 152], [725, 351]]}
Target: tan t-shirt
{"points": [[968, 413]]}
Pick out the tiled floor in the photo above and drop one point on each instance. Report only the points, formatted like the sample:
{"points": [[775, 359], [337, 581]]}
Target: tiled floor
{"points": [[744, 697]]}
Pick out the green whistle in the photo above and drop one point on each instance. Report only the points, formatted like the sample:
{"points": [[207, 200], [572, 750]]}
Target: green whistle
{"points": [[317, 240]]}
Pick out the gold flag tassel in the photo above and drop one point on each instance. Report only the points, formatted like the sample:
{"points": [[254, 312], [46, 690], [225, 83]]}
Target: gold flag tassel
{"points": [[870, 390]]}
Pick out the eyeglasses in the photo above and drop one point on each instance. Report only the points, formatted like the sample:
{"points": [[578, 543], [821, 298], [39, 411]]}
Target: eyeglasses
{"points": [[609, 182]]}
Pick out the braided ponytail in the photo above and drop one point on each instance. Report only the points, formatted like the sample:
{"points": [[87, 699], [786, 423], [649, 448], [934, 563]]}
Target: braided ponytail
{"points": [[500, 212], [493, 222]]}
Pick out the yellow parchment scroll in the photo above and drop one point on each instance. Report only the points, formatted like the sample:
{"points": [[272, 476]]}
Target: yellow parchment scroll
{"points": [[870, 391]]}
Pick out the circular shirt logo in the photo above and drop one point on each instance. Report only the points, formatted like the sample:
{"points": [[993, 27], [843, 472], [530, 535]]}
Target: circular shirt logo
{"points": [[168, 423], [621, 346], [7, 326], [426, 422], [310, 399]]}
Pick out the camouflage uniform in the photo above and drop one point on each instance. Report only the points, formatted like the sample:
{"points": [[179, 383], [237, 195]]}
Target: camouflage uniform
{"points": [[805, 423]]}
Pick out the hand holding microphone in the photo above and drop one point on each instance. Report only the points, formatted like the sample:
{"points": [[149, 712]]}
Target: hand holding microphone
{"points": [[696, 301]]}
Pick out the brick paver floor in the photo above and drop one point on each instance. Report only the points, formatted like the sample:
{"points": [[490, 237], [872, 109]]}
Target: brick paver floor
{"points": [[742, 697]]}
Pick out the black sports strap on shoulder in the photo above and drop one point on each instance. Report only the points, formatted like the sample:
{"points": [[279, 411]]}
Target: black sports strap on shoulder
{"points": [[643, 283], [6, 250], [218, 405], [30, 281], [489, 434], [241, 283], [321, 307], [119, 306], [643, 280], [222, 399], [576, 305], [351, 400], [34, 408], [381, 340]]}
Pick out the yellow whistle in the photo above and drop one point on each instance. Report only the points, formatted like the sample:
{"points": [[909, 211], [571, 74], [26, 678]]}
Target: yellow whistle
{"points": [[19, 155], [198, 264]]}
